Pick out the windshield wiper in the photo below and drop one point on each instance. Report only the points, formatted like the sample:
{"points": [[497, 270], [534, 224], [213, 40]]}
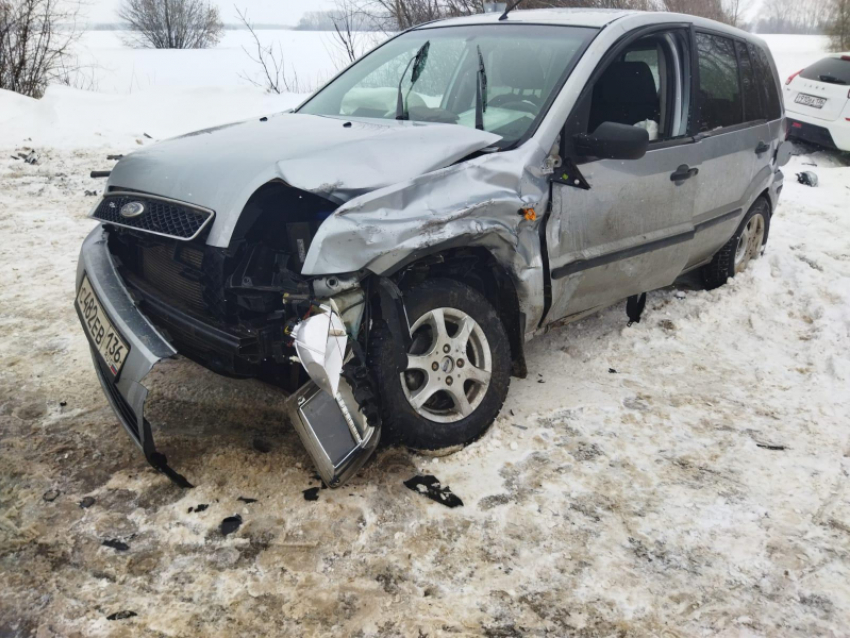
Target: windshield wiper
{"points": [[480, 92], [418, 62], [831, 79]]}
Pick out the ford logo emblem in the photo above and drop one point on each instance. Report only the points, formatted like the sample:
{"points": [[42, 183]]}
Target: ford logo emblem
{"points": [[133, 209]]}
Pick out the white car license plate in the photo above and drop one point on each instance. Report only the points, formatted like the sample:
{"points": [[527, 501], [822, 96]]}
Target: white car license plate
{"points": [[810, 100], [109, 344]]}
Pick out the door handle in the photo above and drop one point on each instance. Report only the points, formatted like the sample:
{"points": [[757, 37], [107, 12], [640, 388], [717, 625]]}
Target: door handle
{"points": [[762, 148], [682, 173]]}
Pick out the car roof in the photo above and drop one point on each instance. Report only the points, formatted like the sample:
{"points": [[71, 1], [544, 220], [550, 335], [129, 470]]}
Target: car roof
{"points": [[570, 17], [596, 18]]}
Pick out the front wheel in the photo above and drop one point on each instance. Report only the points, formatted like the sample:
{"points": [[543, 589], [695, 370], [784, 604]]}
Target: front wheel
{"points": [[457, 373], [745, 245]]}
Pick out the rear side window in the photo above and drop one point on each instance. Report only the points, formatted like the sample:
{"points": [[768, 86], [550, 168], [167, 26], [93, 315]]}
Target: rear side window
{"points": [[830, 70], [766, 82], [720, 102], [752, 103]]}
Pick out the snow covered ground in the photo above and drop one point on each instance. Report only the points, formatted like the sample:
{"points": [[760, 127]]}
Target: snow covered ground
{"points": [[113, 67], [686, 476]]}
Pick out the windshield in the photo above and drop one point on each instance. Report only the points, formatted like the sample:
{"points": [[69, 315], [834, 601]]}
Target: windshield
{"points": [[508, 84]]}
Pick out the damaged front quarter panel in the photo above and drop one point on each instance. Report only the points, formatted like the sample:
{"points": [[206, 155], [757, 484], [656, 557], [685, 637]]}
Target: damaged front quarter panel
{"points": [[473, 203]]}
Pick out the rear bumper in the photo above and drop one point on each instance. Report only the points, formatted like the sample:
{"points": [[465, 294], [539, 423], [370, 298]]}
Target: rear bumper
{"points": [[832, 135], [127, 394]]}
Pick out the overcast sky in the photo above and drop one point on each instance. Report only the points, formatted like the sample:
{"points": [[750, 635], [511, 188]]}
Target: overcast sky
{"points": [[276, 11]]}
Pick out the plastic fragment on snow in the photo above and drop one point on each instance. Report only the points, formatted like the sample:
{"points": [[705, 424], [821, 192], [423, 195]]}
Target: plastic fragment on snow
{"points": [[122, 615], [230, 524], [807, 178], [431, 487]]}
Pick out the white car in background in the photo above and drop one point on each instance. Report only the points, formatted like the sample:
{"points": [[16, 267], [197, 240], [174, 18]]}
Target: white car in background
{"points": [[817, 103]]}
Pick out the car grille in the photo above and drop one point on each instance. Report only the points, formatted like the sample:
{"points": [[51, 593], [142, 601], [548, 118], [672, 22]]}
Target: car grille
{"points": [[175, 272], [161, 217]]}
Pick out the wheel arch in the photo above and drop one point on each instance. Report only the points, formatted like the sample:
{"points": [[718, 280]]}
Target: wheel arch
{"points": [[766, 196], [478, 268]]}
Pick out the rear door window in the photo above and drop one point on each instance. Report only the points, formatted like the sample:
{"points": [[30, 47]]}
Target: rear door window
{"points": [[752, 102], [766, 82], [829, 70], [720, 102]]}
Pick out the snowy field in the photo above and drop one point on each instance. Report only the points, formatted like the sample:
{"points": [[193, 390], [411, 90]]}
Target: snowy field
{"points": [[686, 476]]}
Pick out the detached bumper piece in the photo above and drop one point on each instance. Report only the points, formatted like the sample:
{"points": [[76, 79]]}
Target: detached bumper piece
{"points": [[336, 414], [137, 427], [334, 431]]}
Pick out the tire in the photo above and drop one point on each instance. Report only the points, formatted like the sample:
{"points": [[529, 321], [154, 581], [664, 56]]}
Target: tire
{"points": [[438, 418], [745, 245]]}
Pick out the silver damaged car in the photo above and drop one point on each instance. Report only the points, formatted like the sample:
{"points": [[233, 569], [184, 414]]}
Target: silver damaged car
{"points": [[383, 252]]}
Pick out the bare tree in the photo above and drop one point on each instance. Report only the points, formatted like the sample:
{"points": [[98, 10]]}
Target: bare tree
{"points": [[711, 9], [793, 16], [274, 78], [36, 37], [172, 24], [734, 10], [346, 34], [838, 25]]}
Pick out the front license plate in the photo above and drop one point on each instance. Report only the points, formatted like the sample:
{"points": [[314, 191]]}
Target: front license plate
{"points": [[810, 100], [111, 347]]}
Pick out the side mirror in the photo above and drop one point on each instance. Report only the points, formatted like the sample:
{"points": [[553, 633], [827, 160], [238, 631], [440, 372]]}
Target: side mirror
{"points": [[611, 140]]}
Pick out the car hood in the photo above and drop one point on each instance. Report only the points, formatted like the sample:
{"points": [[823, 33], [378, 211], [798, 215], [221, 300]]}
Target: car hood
{"points": [[334, 157]]}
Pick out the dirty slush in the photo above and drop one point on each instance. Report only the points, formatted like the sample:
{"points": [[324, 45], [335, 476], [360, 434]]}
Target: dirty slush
{"points": [[685, 476]]}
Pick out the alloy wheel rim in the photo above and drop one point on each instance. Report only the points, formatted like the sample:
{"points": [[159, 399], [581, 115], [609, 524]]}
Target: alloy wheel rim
{"points": [[449, 366], [749, 242]]}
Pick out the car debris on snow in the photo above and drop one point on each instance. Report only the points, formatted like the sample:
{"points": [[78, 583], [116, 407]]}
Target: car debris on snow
{"points": [[122, 615], [807, 178], [230, 524], [430, 486]]}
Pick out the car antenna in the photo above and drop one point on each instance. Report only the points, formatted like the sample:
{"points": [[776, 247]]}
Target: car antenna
{"points": [[510, 8]]}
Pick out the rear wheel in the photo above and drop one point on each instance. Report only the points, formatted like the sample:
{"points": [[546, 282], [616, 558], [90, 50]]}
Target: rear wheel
{"points": [[744, 246], [457, 373]]}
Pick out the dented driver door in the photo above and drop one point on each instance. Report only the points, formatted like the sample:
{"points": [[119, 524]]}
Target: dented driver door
{"points": [[629, 232]]}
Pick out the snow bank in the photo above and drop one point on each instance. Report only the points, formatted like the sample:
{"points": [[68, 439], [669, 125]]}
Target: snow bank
{"points": [[117, 68], [69, 118], [795, 52]]}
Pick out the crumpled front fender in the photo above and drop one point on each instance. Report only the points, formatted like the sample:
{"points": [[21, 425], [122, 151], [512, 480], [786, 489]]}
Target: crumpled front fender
{"points": [[474, 203]]}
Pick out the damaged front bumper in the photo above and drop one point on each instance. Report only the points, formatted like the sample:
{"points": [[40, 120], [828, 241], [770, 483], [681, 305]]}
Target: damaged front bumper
{"points": [[125, 393], [333, 428]]}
